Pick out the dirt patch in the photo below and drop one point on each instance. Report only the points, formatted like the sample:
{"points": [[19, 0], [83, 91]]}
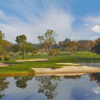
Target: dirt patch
{"points": [[44, 59]]}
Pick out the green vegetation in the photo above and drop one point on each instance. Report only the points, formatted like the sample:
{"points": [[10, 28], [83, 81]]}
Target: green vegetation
{"points": [[64, 57], [0, 59], [6, 59], [72, 51], [47, 41]]}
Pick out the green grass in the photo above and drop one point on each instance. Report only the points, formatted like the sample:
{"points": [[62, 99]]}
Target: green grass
{"points": [[79, 56], [64, 57]]}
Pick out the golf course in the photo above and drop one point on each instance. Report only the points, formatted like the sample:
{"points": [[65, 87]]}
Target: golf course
{"points": [[18, 66]]}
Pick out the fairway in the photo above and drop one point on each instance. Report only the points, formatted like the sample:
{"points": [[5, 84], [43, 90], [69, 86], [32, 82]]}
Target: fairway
{"points": [[25, 67]]}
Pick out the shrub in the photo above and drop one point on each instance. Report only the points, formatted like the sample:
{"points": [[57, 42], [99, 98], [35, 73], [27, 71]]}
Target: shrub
{"points": [[20, 54], [39, 55], [6, 59], [12, 54], [75, 59], [69, 59], [0, 58]]}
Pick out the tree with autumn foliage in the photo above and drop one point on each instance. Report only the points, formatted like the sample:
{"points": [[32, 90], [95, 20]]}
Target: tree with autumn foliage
{"points": [[96, 47], [81, 47], [48, 39], [71, 47], [29, 48], [9, 47], [3, 45], [89, 45]]}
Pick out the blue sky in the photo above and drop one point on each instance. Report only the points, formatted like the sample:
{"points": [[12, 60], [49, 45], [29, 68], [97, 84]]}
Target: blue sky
{"points": [[74, 19]]}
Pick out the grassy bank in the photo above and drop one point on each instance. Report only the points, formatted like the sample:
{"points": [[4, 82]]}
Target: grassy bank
{"points": [[25, 67], [81, 57]]}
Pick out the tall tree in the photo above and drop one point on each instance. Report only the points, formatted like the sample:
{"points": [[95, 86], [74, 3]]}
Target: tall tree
{"points": [[3, 44], [9, 47], [15, 48], [70, 46], [48, 39], [81, 47], [67, 40], [29, 48], [96, 46], [96, 49], [22, 43]]}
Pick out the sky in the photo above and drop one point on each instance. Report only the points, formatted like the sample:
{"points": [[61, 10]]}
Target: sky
{"points": [[74, 19]]}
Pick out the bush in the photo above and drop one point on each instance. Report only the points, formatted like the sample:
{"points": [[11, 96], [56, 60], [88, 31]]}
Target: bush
{"points": [[12, 54], [20, 54], [0, 59], [75, 59], [69, 59], [6, 59]]}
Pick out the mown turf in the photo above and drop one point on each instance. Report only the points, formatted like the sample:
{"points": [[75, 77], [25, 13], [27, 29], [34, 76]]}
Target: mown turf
{"points": [[64, 57], [78, 55]]}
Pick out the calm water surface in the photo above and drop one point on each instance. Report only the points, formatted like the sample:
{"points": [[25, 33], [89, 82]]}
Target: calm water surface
{"points": [[86, 87]]}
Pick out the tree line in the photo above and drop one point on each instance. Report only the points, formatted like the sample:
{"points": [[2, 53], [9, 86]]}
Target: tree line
{"points": [[47, 43]]}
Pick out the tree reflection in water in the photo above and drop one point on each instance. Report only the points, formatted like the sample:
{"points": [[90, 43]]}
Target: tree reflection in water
{"points": [[72, 77], [3, 86], [95, 77], [22, 81], [48, 86]]}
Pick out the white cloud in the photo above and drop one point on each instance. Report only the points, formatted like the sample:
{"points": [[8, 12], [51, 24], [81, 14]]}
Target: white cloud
{"points": [[92, 20], [96, 29], [57, 20], [86, 24]]}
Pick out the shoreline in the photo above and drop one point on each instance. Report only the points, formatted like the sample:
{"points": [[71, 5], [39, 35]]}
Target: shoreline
{"points": [[16, 74], [64, 70]]}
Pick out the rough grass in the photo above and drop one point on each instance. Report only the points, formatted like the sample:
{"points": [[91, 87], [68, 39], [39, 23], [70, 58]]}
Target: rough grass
{"points": [[64, 57], [81, 57]]}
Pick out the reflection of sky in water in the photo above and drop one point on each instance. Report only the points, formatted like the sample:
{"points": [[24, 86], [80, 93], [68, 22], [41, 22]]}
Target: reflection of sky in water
{"points": [[67, 89]]}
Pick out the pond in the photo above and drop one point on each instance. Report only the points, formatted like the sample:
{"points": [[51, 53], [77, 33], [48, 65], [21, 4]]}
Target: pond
{"points": [[86, 87]]}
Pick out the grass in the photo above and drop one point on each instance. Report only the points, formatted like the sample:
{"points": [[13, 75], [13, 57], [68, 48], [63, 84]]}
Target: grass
{"points": [[25, 67], [81, 57]]}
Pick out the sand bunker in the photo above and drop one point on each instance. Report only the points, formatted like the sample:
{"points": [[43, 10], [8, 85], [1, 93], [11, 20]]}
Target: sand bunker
{"points": [[44, 59], [67, 63], [69, 74], [6, 64], [66, 70]]}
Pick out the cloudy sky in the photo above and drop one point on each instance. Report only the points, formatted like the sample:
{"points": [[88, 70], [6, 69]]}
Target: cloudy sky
{"points": [[74, 19]]}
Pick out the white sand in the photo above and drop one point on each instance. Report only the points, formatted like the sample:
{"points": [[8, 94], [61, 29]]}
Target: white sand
{"points": [[43, 59], [69, 74], [66, 70], [6, 64], [67, 63]]}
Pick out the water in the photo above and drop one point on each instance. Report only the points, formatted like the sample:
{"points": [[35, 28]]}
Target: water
{"points": [[86, 87]]}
